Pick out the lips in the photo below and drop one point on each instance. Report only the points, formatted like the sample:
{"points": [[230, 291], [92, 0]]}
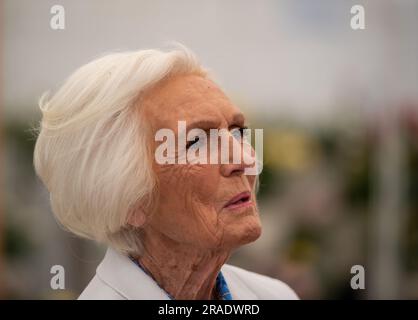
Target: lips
{"points": [[242, 199]]}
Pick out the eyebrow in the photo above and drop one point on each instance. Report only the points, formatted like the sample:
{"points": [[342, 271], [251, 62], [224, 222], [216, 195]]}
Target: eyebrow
{"points": [[204, 124], [238, 119]]}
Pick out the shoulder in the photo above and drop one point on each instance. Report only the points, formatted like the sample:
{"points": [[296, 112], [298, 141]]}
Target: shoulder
{"points": [[97, 289], [118, 278], [263, 287]]}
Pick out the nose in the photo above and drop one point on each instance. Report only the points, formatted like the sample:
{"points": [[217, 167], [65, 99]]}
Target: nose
{"points": [[243, 151]]}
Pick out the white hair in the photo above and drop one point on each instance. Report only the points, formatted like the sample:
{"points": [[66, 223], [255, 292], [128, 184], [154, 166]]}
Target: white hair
{"points": [[92, 151]]}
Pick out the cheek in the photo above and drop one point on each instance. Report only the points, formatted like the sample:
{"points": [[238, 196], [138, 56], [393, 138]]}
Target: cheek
{"points": [[196, 183], [187, 210], [206, 179]]}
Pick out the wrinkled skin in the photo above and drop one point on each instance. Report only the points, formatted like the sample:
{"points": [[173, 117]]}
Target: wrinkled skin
{"points": [[191, 235]]}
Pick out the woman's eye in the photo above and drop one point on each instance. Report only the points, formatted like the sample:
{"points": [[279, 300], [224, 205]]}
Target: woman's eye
{"points": [[192, 142], [240, 133]]}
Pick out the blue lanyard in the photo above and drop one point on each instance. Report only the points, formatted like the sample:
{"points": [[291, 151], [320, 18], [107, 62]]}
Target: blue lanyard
{"points": [[221, 286]]}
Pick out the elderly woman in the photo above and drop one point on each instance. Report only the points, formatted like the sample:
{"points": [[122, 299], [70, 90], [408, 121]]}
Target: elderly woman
{"points": [[170, 227]]}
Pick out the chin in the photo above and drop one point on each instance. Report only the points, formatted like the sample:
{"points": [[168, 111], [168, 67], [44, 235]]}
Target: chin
{"points": [[250, 232]]}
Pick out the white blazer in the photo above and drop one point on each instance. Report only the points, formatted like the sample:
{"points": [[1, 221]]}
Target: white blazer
{"points": [[118, 278]]}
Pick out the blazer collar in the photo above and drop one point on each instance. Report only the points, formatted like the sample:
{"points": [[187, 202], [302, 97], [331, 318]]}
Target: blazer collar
{"points": [[120, 273], [130, 281]]}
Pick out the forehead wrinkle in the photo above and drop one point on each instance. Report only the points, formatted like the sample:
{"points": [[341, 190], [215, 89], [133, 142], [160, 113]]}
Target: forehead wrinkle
{"points": [[183, 98], [190, 86], [168, 116], [193, 91], [209, 115]]}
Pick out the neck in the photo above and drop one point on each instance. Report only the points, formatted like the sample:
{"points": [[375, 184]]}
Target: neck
{"points": [[183, 271]]}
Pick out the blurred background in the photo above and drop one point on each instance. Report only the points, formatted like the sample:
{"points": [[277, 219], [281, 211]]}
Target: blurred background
{"points": [[339, 109]]}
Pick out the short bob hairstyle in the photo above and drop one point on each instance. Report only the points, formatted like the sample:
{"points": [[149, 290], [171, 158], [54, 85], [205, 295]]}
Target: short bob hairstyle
{"points": [[92, 152]]}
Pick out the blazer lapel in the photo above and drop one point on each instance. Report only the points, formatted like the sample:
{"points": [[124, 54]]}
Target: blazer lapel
{"points": [[120, 273], [239, 290]]}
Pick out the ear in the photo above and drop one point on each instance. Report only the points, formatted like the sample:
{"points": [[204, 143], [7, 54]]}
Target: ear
{"points": [[137, 218]]}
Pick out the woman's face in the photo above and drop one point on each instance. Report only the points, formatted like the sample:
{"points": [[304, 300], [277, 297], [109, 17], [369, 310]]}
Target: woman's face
{"points": [[193, 208]]}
